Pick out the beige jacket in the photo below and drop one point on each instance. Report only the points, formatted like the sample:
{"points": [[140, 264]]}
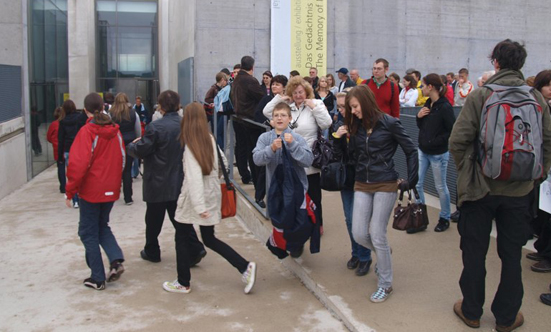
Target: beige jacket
{"points": [[200, 192]]}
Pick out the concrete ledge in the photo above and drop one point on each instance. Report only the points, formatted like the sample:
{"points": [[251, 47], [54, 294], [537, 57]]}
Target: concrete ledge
{"points": [[262, 228]]}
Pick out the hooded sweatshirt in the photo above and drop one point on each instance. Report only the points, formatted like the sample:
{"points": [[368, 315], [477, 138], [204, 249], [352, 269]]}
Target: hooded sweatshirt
{"points": [[97, 161]]}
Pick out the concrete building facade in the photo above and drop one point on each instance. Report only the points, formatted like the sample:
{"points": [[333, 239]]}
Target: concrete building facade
{"points": [[189, 41]]}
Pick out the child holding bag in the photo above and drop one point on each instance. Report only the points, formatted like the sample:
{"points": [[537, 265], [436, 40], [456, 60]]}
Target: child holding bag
{"points": [[199, 202]]}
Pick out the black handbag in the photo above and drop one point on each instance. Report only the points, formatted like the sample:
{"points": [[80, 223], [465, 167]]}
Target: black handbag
{"points": [[333, 176], [322, 150]]}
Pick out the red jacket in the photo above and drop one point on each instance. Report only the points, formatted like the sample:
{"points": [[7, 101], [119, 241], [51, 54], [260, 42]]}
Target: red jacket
{"points": [[383, 96], [51, 136], [449, 94], [96, 163]]}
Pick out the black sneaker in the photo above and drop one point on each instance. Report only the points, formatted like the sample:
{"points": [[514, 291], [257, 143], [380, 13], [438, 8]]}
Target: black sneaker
{"points": [[94, 284], [455, 216], [443, 224], [115, 271], [146, 257], [261, 203], [197, 259], [297, 253], [353, 263], [363, 269]]}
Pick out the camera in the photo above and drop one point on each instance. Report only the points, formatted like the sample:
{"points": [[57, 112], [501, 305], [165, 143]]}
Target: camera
{"points": [[293, 125]]}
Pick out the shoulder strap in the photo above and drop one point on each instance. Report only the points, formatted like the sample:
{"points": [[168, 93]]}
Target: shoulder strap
{"points": [[224, 171]]}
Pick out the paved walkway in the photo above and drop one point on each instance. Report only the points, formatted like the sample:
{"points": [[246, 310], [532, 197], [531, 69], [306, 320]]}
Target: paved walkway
{"points": [[42, 267]]}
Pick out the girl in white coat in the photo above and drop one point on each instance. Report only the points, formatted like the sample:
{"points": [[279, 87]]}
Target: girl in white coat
{"points": [[309, 115], [409, 94], [200, 200]]}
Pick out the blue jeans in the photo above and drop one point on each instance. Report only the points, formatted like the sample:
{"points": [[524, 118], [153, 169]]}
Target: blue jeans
{"points": [[369, 223], [66, 155], [94, 231], [135, 167], [439, 164], [361, 252]]}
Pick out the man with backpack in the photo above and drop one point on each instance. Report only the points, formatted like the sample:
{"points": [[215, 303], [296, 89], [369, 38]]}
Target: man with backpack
{"points": [[386, 92], [501, 143]]}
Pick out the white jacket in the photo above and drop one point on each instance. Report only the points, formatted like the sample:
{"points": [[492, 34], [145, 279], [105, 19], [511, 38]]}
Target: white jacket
{"points": [[200, 192], [409, 98], [307, 120]]}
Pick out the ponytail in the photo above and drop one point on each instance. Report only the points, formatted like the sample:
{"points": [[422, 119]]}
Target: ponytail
{"points": [[436, 81], [101, 118]]}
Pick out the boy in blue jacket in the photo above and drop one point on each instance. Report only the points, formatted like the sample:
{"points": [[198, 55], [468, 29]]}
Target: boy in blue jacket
{"points": [[268, 152]]}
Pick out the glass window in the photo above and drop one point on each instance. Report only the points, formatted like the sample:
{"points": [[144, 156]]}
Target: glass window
{"points": [[127, 39]]}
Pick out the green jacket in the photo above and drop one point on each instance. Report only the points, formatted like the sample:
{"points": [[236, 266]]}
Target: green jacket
{"points": [[472, 185]]}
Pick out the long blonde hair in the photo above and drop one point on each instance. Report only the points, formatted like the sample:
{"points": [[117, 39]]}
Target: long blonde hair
{"points": [[120, 109], [195, 136]]}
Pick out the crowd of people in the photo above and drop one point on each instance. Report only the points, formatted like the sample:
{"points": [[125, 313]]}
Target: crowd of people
{"points": [[361, 119]]}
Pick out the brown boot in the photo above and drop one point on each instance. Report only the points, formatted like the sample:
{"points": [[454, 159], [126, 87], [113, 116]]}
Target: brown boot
{"points": [[474, 323], [518, 322]]}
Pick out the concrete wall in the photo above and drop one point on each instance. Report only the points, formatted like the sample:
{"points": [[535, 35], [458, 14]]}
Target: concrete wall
{"points": [[81, 25], [13, 146], [226, 31], [429, 35]]}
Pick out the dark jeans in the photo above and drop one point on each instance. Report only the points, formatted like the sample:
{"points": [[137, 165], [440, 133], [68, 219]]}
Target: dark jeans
{"points": [[245, 142], [61, 176], [94, 231], [475, 224], [185, 233], [127, 179], [543, 244], [154, 217], [314, 190]]}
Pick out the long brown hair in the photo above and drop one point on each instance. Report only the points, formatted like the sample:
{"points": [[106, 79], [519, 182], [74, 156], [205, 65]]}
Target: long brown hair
{"points": [[68, 108], [195, 136], [120, 109], [370, 111]]}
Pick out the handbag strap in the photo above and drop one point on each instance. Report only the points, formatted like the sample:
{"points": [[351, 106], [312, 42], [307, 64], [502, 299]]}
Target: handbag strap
{"points": [[415, 193], [224, 171]]}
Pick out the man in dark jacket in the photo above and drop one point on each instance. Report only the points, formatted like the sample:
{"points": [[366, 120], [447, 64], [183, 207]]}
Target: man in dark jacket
{"points": [[162, 179], [246, 93], [346, 82], [482, 199]]}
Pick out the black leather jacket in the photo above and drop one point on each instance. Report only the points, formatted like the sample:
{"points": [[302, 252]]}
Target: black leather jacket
{"points": [[162, 158], [373, 155]]}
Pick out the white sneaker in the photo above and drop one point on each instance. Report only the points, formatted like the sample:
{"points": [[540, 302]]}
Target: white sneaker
{"points": [[175, 287], [249, 277], [75, 205], [381, 294]]}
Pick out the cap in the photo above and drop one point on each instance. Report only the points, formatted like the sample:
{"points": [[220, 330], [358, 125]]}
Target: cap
{"points": [[343, 71], [410, 71]]}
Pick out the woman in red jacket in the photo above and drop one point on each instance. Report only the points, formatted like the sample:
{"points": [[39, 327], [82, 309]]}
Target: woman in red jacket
{"points": [[52, 137], [95, 171]]}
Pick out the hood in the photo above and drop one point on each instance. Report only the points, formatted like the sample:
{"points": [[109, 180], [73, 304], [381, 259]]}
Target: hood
{"points": [[106, 132], [507, 77]]}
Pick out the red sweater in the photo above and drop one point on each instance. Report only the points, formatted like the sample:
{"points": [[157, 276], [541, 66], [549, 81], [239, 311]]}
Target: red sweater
{"points": [[383, 96], [51, 136], [96, 163]]}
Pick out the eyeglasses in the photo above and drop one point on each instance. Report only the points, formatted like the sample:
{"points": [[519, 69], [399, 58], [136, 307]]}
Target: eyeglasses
{"points": [[281, 115]]}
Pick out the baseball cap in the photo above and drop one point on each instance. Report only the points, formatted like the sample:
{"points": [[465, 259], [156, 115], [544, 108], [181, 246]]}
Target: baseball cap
{"points": [[343, 71]]}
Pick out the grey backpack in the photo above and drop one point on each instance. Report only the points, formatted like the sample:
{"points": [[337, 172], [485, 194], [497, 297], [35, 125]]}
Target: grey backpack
{"points": [[510, 140]]}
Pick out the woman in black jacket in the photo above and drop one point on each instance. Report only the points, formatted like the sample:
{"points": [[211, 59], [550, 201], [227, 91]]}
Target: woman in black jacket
{"points": [[130, 127], [69, 126], [374, 138], [435, 121]]}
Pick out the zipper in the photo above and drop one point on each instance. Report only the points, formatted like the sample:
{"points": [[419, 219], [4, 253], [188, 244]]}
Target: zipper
{"points": [[368, 156]]}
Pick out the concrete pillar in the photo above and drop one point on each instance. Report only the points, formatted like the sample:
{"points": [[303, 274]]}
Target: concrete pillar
{"points": [[81, 28]]}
